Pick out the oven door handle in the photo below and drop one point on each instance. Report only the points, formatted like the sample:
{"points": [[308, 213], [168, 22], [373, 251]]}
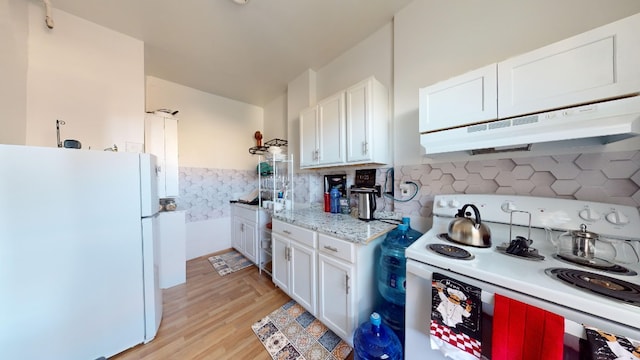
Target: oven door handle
{"points": [[487, 297]]}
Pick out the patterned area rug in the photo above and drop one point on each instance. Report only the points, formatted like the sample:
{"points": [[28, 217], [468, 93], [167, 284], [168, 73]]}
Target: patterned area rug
{"points": [[291, 332], [229, 262]]}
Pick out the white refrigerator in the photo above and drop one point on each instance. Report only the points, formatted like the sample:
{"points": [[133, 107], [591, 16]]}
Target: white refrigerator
{"points": [[78, 252]]}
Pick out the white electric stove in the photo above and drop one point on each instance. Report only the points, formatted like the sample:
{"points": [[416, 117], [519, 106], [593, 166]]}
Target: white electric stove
{"points": [[607, 296]]}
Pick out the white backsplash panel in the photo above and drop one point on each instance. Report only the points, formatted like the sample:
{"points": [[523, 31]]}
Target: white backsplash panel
{"points": [[205, 193], [606, 177], [603, 177]]}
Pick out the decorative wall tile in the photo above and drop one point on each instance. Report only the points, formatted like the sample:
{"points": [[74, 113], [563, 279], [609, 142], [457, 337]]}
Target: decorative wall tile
{"points": [[205, 193], [607, 177]]}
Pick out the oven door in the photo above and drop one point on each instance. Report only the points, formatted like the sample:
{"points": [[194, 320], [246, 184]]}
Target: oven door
{"points": [[418, 313]]}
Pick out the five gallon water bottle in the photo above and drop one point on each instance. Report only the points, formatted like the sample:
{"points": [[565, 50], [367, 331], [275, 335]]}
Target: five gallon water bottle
{"points": [[393, 265], [375, 340], [412, 234]]}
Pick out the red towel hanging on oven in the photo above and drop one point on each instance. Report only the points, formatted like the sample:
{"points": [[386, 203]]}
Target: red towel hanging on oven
{"points": [[522, 331]]}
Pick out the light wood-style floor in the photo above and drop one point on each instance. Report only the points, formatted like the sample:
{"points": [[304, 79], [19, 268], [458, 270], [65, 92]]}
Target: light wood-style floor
{"points": [[210, 316]]}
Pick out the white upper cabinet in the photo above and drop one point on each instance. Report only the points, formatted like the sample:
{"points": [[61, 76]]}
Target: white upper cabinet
{"points": [[161, 139], [465, 99], [596, 65], [331, 130], [367, 106], [308, 137], [599, 64], [347, 128], [322, 133]]}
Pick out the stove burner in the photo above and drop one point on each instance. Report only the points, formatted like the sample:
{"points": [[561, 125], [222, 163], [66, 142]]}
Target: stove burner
{"points": [[451, 251], [596, 263], [599, 284]]}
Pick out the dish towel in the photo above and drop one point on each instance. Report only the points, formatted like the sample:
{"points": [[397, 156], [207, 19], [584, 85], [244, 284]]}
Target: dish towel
{"points": [[456, 318], [522, 331]]}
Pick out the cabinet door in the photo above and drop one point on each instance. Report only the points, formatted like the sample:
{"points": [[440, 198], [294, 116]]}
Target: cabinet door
{"points": [[462, 100], [171, 157], [598, 64], [308, 137], [358, 101], [154, 144], [280, 261], [303, 276], [237, 239], [331, 130], [172, 233], [250, 239], [335, 295]]}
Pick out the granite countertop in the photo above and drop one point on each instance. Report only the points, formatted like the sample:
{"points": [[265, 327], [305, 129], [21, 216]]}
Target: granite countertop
{"points": [[343, 226]]}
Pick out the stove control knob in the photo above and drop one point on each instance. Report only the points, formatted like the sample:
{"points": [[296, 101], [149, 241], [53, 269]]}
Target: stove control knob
{"points": [[454, 203], [508, 206], [589, 214], [617, 218], [442, 203]]}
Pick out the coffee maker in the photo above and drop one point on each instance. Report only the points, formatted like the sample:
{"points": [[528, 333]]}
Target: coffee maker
{"points": [[336, 180]]}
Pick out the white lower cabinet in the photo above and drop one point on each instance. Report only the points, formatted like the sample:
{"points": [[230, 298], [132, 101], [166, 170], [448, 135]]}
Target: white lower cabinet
{"points": [[333, 279], [173, 259], [245, 236], [335, 296], [294, 263]]}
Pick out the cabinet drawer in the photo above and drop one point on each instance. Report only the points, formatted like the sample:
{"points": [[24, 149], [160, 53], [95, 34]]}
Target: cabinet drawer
{"points": [[304, 236], [339, 248], [245, 213]]}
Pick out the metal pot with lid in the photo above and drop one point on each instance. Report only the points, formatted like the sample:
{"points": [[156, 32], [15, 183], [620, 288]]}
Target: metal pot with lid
{"points": [[467, 231], [587, 245]]}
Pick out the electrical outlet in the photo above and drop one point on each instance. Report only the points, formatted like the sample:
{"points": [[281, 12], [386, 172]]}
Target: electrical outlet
{"points": [[404, 189]]}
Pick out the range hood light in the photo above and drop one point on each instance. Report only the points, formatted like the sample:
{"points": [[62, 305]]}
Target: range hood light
{"points": [[241, 2]]}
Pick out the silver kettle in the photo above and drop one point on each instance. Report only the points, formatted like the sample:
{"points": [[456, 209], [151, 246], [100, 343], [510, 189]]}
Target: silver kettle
{"points": [[366, 205], [466, 231]]}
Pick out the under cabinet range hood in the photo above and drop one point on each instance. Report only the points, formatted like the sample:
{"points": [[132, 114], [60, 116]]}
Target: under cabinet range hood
{"points": [[592, 124]]}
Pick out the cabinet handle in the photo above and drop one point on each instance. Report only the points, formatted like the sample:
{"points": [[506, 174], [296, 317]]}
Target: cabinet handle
{"points": [[286, 232], [365, 147], [242, 227], [287, 253], [331, 248], [347, 280]]}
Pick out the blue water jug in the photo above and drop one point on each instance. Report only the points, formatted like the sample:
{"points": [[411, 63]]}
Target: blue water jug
{"points": [[393, 265], [335, 200], [412, 234], [375, 340], [394, 317]]}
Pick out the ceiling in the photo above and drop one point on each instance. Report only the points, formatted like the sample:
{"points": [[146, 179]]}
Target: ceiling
{"points": [[244, 52]]}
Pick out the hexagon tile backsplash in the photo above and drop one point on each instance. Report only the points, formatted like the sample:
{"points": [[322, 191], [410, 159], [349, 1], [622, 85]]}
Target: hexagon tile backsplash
{"points": [[602, 177]]}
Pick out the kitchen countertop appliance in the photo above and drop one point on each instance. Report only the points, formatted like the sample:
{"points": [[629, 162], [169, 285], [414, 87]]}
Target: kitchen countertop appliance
{"points": [[523, 264], [364, 186]]}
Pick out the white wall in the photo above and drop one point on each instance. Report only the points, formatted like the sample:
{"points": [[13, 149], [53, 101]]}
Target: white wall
{"points": [[13, 71], [435, 40], [372, 56], [275, 119], [213, 131], [88, 76]]}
